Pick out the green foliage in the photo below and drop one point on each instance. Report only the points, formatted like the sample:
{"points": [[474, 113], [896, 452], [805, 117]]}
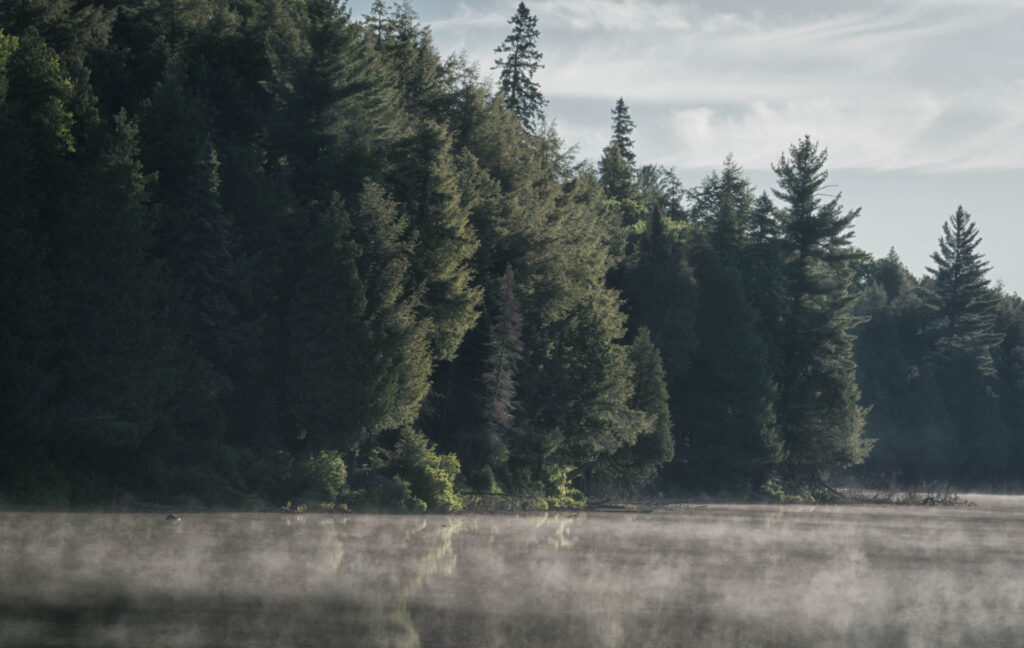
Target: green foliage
{"points": [[485, 482], [8, 45], [622, 129], [966, 305], [38, 94], [636, 464], [500, 381], [661, 296], [819, 419], [427, 478], [322, 477], [517, 67], [247, 245], [593, 378], [617, 163], [558, 491]]}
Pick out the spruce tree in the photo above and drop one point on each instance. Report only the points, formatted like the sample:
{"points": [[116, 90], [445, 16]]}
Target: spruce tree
{"points": [[518, 64], [622, 129], [965, 338], [617, 164], [967, 306]]}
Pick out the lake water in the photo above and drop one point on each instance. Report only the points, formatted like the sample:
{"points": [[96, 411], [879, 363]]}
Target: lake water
{"points": [[720, 575]]}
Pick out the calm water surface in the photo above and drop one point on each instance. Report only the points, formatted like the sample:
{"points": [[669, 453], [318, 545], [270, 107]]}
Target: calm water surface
{"points": [[682, 576]]}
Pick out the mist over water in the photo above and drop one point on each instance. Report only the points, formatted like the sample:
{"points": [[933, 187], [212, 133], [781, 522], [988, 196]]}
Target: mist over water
{"points": [[719, 575]]}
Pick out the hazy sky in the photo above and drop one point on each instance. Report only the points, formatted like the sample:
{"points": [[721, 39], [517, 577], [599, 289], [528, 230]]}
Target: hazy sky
{"points": [[920, 103]]}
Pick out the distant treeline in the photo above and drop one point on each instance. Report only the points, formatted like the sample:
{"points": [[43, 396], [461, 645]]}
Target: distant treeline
{"points": [[262, 251]]}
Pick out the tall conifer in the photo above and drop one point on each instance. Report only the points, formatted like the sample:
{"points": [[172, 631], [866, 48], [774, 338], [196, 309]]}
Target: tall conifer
{"points": [[518, 61], [617, 164], [818, 415], [967, 307]]}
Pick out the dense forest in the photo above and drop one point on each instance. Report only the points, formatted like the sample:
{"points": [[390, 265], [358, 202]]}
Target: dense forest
{"points": [[260, 252]]}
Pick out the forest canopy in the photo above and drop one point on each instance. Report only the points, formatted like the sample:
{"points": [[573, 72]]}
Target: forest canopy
{"points": [[265, 252]]}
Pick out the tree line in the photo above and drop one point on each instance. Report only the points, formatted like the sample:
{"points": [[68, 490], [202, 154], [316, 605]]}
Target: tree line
{"points": [[262, 251]]}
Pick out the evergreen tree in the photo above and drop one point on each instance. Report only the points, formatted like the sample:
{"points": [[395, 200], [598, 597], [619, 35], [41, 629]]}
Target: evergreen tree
{"points": [[819, 419], [425, 181], [616, 176], [1009, 363], [965, 337], [634, 465], [406, 50], [617, 164], [730, 392], [907, 413], [967, 306], [586, 382], [329, 369], [657, 185], [400, 365], [335, 113], [761, 269], [622, 129], [193, 240], [661, 294], [504, 359], [519, 63]]}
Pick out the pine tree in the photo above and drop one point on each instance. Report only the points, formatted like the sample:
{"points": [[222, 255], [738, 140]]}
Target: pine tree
{"points": [[818, 416], [193, 240], [587, 383], [376, 21], [520, 62]]}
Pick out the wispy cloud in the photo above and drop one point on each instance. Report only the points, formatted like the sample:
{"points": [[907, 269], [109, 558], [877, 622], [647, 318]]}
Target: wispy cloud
{"points": [[614, 15], [467, 17], [886, 84], [870, 132]]}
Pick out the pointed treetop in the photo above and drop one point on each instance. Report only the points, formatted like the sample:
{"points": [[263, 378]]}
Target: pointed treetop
{"points": [[801, 174], [965, 300], [519, 61], [622, 128], [815, 227]]}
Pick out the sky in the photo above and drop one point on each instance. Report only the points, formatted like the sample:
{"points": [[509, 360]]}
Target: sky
{"points": [[920, 103]]}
